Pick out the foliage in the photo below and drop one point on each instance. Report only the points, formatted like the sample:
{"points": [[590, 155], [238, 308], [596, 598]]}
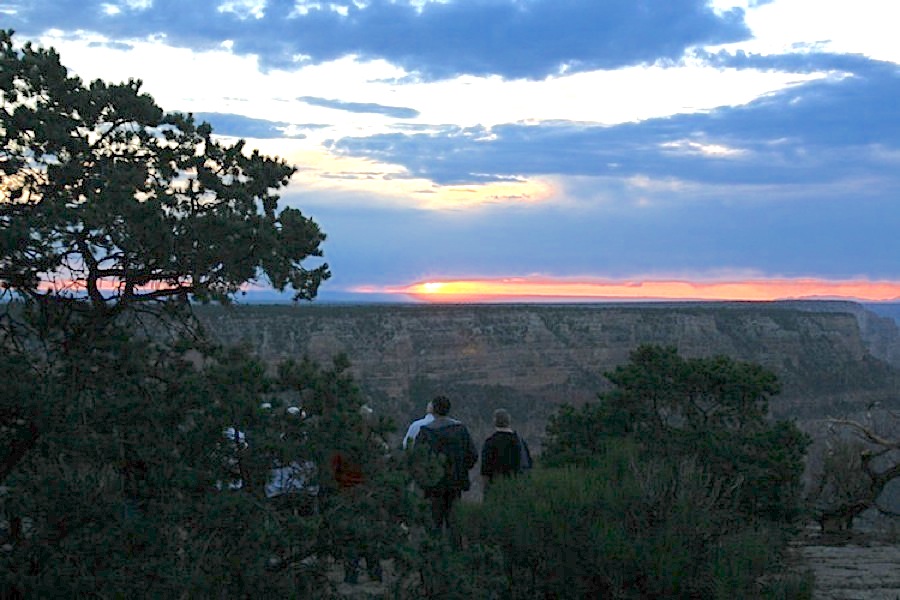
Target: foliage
{"points": [[136, 453], [106, 196], [575, 436], [377, 513], [652, 515], [132, 494], [713, 409], [438, 569], [624, 528]]}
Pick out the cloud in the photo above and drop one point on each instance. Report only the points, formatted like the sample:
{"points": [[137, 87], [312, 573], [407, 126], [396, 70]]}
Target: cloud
{"points": [[792, 62], [245, 127], [512, 38], [397, 112], [823, 131]]}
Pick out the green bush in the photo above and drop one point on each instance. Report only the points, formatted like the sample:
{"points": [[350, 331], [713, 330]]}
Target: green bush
{"points": [[437, 569], [714, 410], [624, 528]]}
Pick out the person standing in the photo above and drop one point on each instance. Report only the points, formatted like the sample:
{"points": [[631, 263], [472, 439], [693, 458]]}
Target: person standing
{"points": [[416, 425], [505, 453], [448, 438], [352, 527]]}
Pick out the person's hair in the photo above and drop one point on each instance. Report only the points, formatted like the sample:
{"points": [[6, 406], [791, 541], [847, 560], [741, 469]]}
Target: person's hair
{"points": [[441, 406], [501, 418]]}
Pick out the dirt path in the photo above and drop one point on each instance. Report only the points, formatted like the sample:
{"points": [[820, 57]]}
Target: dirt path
{"points": [[851, 567]]}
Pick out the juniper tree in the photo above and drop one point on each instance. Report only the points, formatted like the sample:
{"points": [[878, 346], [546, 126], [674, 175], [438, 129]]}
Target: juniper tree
{"points": [[114, 217], [714, 409]]}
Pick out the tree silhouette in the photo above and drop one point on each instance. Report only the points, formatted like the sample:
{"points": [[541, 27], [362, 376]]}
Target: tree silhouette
{"points": [[114, 217]]}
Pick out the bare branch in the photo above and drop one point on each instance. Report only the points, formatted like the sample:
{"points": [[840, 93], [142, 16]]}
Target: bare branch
{"points": [[867, 433]]}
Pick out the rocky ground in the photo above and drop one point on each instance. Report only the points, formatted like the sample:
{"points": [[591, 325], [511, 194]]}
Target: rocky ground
{"points": [[850, 566]]}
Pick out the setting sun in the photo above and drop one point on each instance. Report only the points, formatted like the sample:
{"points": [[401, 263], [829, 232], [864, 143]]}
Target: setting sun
{"points": [[547, 290]]}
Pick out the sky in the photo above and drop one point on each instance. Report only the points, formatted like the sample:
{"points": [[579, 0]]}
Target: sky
{"points": [[542, 150]]}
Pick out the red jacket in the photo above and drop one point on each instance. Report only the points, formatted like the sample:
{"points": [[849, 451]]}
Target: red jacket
{"points": [[347, 473]]}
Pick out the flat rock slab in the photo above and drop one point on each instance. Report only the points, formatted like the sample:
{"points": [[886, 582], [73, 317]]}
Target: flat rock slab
{"points": [[851, 571]]}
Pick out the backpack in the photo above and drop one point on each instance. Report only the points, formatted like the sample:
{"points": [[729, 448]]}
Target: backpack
{"points": [[457, 456], [525, 462]]}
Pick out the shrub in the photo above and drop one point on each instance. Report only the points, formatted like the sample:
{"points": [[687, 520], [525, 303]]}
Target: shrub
{"points": [[712, 409], [437, 569], [625, 528]]}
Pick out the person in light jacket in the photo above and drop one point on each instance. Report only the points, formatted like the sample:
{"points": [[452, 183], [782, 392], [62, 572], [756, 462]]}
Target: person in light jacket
{"points": [[416, 425], [450, 438]]}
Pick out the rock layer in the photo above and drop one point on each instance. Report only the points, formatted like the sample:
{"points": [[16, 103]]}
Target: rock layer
{"points": [[529, 358]]}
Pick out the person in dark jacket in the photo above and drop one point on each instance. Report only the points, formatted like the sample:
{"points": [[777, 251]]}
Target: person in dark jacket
{"points": [[505, 453], [450, 438]]}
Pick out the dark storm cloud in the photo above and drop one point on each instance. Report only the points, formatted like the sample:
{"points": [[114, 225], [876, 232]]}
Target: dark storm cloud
{"points": [[397, 112], [244, 127], [512, 38], [820, 131]]}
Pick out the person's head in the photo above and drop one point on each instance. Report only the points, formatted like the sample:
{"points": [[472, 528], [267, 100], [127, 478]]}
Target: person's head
{"points": [[429, 409], [501, 418], [441, 406], [368, 418]]}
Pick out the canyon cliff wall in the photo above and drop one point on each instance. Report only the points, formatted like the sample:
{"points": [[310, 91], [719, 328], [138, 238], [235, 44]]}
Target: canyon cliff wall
{"points": [[831, 358]]}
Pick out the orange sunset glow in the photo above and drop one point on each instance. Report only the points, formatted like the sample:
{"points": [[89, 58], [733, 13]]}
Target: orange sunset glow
{"points": [[541, 289]]}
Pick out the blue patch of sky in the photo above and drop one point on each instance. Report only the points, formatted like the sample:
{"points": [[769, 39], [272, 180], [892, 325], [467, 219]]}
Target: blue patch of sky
{"points": [[112, 45], [727, 230], [245, 127], [397, 112]]}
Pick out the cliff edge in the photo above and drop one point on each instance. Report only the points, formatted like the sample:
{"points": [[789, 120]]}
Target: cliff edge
{"points": [[831, 357]]}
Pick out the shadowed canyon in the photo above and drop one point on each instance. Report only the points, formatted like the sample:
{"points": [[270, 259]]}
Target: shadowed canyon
{"points": [[832, 358]]}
